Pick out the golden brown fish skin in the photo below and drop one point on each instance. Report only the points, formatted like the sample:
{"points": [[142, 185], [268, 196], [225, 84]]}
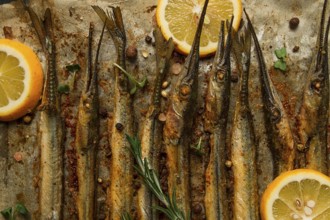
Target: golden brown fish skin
{"points": [[280, 137], [216, 117], [51, 128], [243, 147], [178, 125], [120, 192], [150, 129], [313, 115], [87, 137]]}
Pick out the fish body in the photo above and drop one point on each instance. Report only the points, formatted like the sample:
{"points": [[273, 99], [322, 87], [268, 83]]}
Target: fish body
{"points": [[217, 108], [314, 112], [51, 128], [280, 137], [87, 137], [243, 147], [151, 131], [178, 125], [120, 192]]}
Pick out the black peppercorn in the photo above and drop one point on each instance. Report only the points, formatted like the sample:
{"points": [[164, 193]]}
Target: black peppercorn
{"points": [[295, 49], [148, 39], [293, 23], [119, 126]]}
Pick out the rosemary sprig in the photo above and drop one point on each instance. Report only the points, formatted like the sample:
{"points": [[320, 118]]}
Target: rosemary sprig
{"points": [[152, 182]]}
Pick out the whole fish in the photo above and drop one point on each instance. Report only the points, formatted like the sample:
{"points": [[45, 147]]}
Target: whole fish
{"points": [[120, 192], [150, 137], [51, 126], [280, 138], [178, 125], [312, 120], [243, 145], [216, 117], [87, 136]]}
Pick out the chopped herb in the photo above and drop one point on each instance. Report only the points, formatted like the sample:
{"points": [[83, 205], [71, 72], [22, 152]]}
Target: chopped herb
{"points": [[281, 56], [63, 89], [198, 149], [281, 53], [7, 213], [73, 68], [150, 178], [21, 209], [280, 64], [133, 82]]}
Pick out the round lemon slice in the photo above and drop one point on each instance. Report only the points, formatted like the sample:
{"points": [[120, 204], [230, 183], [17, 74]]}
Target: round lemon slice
{"points": [[179, 19], [301, 194], [21, 79]]}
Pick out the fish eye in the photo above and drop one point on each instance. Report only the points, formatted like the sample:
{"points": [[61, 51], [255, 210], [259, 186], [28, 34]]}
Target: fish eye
{"points": [[275, 115], [184, 90]]}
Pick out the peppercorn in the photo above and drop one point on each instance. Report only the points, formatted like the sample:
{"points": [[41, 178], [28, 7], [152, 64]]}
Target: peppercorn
{"points": [[295, 49], [131, 52], [148, 39], [293, 23], [119, 126]]}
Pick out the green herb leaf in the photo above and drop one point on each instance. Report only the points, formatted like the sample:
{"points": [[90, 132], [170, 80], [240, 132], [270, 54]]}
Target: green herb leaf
{"points": [[281, 65], [198, 149], [73, 68], [63, 89], [133, 82], [21, 209], [281, 53], [126, 216], [151, 180], [7, 213]]}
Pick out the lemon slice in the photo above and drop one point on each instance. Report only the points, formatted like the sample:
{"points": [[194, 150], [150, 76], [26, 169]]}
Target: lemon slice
{"points": [[21, 79], [302, 194], [179, 19]]}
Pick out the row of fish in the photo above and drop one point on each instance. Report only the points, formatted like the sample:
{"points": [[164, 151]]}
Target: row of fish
{"points": [[310, 150]]}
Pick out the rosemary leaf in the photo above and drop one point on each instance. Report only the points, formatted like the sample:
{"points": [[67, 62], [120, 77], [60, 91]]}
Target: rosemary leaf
{"points": [[151, 180]]}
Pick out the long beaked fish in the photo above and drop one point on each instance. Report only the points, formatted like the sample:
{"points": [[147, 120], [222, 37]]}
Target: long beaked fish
{"points": [[51, 126], [279, 134], [216, 117], [87, 136], [179, 120], [243, 144], [120, 192], [151, 130], [312, 120]]}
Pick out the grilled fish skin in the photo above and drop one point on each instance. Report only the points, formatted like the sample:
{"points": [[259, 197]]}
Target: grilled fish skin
{"points": [[243, 146], [217, 108], [151, 130], [280, 137], [178, 125], [314, 111], [120, 192], [87, 137], [51, 126]]}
